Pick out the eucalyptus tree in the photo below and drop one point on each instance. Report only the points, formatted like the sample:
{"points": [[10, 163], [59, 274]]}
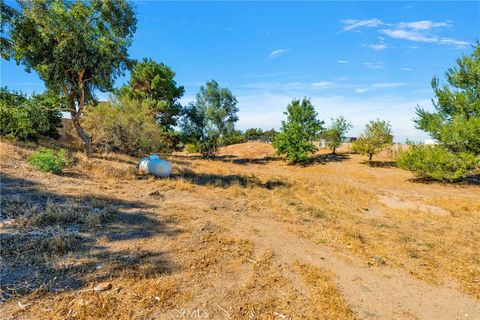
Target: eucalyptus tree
{"points": [[77, 47]]}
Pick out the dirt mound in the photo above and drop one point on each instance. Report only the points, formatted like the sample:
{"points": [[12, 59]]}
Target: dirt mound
{"points": [[249, 150]]}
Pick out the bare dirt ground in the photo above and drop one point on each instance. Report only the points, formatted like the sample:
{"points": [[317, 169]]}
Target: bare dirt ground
{"points": [[241, 236]]}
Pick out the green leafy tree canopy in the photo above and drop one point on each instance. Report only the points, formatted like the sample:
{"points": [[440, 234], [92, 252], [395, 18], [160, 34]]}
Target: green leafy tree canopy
{"points": [[455, 123], [376, 137], [298, 132], [153, 84], [336, 133], [76, 47], [210, 118]]}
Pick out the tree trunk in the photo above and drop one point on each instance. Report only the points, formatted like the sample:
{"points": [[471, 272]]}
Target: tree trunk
{"points": [[87, 142], [370, 156]]}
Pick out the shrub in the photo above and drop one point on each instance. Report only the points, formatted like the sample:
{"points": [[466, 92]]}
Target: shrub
{"points": [[127, 127], [47, 160], [24, 118], [191, 148], [437, 162], [233, 137]]}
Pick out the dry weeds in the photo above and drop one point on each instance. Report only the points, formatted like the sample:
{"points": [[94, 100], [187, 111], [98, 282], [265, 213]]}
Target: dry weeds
{"points": [[200, 266]]}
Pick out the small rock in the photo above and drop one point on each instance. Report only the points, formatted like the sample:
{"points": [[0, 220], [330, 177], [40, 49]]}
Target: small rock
{"points": [[104, 286]]}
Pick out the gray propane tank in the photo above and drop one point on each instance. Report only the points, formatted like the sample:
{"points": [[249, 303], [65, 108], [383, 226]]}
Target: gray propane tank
{"points": [[154, 165]]}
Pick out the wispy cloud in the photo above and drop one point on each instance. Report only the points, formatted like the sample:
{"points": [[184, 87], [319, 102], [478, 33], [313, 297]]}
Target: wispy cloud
{"points": [[343, 61], [378, 46], [423, 25], [388, 85], [321, 85], [405, 69], [417, 31], [277, 53], [351, 24], [361, 90], [265, 110], [374, 65]]}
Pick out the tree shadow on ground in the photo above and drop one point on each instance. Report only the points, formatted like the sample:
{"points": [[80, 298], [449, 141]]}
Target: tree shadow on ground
{"points": [[224, 181], [231, 159], [380, 164], [328, 158], [472, 180], [62, 252]]}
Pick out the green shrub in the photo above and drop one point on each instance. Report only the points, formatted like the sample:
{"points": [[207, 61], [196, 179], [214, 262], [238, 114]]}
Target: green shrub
{"points": [[127, 127], [191, 148], [437, 162], [24, 118], [47, 160]]}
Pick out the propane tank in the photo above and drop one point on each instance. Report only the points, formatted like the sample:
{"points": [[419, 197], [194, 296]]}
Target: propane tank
{"points": [[154, 165]]}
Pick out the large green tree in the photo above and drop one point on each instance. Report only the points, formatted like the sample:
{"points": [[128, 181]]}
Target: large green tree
{"points": [[455, 123], [210, 118], [152, 83], [76, 47], [297, 134]]}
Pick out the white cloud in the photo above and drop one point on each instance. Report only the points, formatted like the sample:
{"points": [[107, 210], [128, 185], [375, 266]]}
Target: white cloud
{"points": [[343, 61], [416, 31], [266, 111], [361, 90], [322, 85], [378, 46], [423, 25], [350, 24], [405, 69], [277, 53], [374, 65], [382, 85]]}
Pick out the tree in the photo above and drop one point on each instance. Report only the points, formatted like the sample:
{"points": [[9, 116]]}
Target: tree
{"points": [[335, 134], [297, 134], [152, 83], [212, 116], [253, 133], [455, 124], [25, 117], [76, 47], [376, 137], [126, 126]]}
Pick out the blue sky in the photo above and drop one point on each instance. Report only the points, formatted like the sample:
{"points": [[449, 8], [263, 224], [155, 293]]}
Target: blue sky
{"points": [[362, 60]]}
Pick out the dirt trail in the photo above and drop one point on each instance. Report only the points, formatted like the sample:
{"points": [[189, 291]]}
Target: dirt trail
{"points": [[373, 293], [383, 293]]}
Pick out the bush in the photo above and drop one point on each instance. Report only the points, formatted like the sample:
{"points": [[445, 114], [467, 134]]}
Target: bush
{"points": [[24, 118], [127, 127], [437, 162], [47, 160], [191, 148]]}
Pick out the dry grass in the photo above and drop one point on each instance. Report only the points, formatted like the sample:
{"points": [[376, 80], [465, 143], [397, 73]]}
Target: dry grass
{"points": [[185, 258]]}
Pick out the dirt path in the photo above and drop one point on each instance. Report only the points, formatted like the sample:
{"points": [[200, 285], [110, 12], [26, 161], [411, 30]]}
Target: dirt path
{"points": [[373, 293]]}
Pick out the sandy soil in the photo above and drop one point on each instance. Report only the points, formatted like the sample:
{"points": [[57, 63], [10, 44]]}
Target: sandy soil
{"points": [[247, 236]]}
